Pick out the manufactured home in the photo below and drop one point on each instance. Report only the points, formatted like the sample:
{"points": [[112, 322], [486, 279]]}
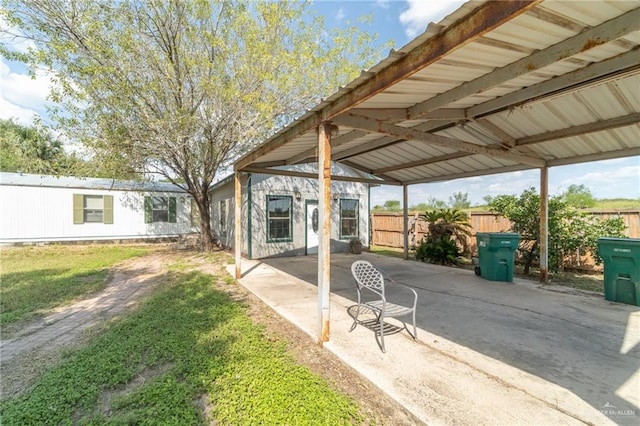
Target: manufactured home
{"points": [[280, 213], [49, 209]]}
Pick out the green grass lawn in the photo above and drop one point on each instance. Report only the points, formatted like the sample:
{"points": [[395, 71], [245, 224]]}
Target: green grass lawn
{"points": [[37, 278], [188, 349]]}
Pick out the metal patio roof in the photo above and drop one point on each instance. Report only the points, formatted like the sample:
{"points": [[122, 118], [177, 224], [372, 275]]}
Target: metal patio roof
{"points": [[496, 86]]}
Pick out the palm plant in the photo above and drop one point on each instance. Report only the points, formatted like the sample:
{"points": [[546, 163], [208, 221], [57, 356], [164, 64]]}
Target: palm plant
{"points": [[452, 223], [448, 232]]}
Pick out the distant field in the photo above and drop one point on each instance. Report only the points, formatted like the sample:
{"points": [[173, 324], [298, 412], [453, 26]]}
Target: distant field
{"points": [[608, 204], [617, 204]]}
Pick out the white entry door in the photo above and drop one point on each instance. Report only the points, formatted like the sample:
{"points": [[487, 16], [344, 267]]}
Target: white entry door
{"points": [[313, 225]]}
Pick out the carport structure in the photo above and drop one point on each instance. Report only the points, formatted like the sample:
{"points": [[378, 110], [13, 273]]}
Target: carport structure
{"points": [[497, 86]]}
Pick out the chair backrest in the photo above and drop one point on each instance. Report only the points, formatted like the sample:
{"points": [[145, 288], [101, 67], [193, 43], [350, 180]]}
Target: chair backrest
{"points": [[366, 275]]}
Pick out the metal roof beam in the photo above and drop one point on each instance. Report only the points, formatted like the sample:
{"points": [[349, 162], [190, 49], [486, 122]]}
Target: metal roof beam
{"points": [[609, 69], [597, 126], [335, 142], [621, 153], [362, 149], [405, 133], [400, 114], [485, 18], [362, 169], [267, 171], [282, 138], [588, 39], [423, 162], [507, 140], [461, 175]]}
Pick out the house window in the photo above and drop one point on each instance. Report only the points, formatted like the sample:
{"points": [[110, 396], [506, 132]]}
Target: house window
{"points": [[348, 218], [159, 209], [279, 214], [93, 206], [92, 209], [223, 216]]}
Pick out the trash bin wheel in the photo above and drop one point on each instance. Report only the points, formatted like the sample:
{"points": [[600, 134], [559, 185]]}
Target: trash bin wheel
{"points": [[477, 270]]}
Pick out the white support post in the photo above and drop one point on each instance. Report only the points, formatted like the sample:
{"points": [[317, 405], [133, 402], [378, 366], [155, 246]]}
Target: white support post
{"points": [[238, 224], [405, 219], [544, 225], [324, 243]]}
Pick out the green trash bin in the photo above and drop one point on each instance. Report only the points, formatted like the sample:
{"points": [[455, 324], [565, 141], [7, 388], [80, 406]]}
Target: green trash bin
{"points": [[621, 269], [496, 255]]}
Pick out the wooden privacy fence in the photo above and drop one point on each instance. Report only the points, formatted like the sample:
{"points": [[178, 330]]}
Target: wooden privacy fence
{"points": [[386, 228]]}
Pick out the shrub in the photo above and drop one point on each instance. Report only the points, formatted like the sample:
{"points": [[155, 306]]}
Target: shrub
{"points": [[443, 251]]}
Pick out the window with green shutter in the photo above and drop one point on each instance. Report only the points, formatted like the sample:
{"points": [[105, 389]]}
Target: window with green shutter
{"points": [[78, 209], [92, 209], [160, 209]]}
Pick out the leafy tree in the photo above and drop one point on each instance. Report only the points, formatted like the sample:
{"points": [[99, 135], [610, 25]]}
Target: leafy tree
{"points": [[392, 206], [459, 200], [569, 230], [434, 203], [31, 149], [579, 196], [182, 88]]}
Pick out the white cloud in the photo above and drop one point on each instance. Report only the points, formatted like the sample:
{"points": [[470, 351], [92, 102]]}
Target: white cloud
{"points": [[420, 13], [384, 4], [21, 96], [340, 14], [10, 111]]}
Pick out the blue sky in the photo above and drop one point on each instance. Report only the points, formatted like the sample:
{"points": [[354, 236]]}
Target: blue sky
{"points": [[23, 98]]}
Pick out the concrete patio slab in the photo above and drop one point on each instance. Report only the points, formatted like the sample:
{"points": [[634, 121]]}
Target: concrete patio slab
{"points": [[487, 352]]}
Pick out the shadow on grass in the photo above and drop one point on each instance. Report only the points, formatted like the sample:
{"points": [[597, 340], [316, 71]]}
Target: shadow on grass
{"points": [[25, 293], [154, 366]]}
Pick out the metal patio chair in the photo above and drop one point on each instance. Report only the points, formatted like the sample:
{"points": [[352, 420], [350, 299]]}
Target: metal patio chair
{"points": [[373, 279]]}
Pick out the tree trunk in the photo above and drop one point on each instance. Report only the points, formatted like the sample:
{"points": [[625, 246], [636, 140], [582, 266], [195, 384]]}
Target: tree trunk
{"points": [[206, 237], [529, 258]]}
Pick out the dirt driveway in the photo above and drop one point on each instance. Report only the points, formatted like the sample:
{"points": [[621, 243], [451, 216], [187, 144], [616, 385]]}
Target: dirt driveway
{"points": [[28, 349]]}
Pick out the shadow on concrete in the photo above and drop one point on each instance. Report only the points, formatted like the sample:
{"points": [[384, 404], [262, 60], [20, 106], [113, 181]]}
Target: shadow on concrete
{"points": [[584, 344]]}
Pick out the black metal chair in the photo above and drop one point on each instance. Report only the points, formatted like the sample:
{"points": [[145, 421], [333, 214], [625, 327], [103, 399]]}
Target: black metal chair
{"points": [[373, 279]]}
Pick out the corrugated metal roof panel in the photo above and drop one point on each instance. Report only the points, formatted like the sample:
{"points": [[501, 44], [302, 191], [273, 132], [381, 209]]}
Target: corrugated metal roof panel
{"points": [[26, 179], [516, 104]]}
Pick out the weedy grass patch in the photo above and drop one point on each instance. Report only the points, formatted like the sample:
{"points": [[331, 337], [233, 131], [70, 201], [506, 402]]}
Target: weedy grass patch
{"points": [[187, 350], [37, 278]]}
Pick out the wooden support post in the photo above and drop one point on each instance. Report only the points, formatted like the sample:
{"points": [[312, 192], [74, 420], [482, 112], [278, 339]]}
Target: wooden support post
{"points": [[544, 225], [405, 220], [324, 243], [238, 224]]}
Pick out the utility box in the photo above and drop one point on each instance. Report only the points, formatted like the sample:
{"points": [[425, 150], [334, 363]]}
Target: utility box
{"points": [[496, 255], [621, 269]]}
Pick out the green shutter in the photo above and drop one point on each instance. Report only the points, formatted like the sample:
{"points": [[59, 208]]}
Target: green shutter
{"points": [[172, 210], [107, 215], [148, 210], [78, 209]]}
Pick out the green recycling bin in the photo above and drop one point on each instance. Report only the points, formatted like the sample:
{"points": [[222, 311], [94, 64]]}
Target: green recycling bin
{"points": [[621, 269], [496, 255]]}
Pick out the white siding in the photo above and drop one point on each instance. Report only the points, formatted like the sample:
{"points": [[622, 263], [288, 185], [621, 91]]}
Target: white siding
{"points": [[32, 214]]}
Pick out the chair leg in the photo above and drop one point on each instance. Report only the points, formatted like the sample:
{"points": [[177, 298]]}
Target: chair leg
{"points": [[415, 331], [382, 334], [355, 320]]}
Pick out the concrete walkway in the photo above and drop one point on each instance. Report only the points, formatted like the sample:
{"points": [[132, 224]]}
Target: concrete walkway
{"points": [[487, 353]]}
